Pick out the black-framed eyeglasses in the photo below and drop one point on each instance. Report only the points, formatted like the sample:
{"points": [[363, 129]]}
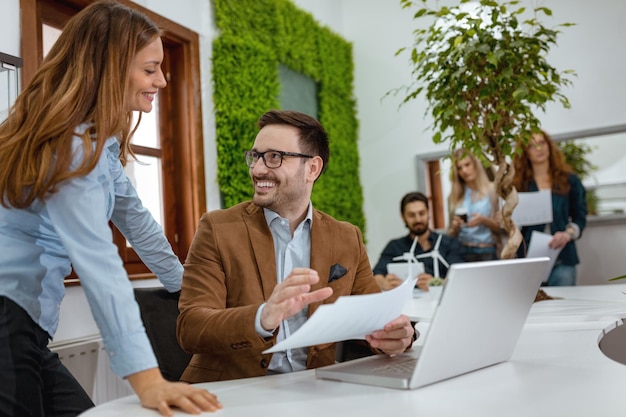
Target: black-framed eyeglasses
{"points": [[271, 159]]}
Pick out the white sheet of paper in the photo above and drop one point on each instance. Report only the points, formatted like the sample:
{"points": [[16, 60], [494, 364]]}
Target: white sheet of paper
{"points": [[350, 317], [539, 247], [533, 208], [401, 269]]}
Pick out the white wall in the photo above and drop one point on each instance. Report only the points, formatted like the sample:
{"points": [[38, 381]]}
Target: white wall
{"points": [[9, 22], [390, 137]]}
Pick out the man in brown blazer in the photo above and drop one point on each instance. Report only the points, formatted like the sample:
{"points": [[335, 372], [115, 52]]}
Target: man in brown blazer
{"points": [[256, 271]]}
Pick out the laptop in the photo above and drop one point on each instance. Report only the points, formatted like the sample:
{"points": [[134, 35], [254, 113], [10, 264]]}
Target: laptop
{"points": [[477, 323]]}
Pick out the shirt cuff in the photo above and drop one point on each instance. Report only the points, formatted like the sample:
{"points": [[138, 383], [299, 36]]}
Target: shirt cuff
{"points": [[130, 354], [257, 324], [172, 280], [576, 234]]}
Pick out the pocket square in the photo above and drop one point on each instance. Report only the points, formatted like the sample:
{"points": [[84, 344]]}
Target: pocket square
{"points": [[336, 272]]}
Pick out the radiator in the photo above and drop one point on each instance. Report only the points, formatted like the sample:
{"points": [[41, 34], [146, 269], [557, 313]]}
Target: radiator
{"points": [[88, 361]]}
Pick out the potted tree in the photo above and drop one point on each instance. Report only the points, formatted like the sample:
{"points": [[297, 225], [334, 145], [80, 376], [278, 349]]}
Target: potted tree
{"points": [[484, 75]]}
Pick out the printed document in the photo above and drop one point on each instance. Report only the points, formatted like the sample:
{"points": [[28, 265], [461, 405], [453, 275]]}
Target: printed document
{"points": [[538, 247], [403, 269], [350, 317], [533, 208]]}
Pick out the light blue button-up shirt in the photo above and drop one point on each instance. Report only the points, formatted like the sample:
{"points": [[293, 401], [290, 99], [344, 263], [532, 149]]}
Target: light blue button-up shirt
{"points": [[480, 233], [40, 244], [291, 252]]}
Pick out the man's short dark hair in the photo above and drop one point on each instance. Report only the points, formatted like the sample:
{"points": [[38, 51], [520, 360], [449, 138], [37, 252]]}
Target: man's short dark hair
{"points": [[412, 197], [313, 137]]}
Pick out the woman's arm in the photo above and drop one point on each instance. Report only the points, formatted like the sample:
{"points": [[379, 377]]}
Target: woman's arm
{"points": [[577, 207]]}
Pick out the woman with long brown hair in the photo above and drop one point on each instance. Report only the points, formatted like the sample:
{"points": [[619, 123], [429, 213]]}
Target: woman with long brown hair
{"points": [[63, 147], [541, 166], [473, 207]]}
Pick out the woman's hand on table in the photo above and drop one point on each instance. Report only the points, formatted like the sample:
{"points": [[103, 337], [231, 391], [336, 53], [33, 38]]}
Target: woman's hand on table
{"points": [[157, 393]]}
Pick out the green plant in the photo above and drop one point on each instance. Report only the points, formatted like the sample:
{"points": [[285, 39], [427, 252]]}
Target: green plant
{"points": [[484, 75], [435, 282], [255, 37], [575, 155]]}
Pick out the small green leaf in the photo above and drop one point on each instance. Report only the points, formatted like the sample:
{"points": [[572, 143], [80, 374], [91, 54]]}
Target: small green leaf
{"points": [[547, 11], [492, 59], [420, 13], [618, 278]]}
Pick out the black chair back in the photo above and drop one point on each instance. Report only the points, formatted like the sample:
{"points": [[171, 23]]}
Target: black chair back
{"points": [[159, 310]]}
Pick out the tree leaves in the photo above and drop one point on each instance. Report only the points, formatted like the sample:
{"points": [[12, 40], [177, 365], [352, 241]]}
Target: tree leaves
{"points": [[484, 74], [492, 62]]}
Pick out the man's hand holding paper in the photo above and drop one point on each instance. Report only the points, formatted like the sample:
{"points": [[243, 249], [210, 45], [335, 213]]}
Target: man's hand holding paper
{"points": [[394, 338], [374, 317]]}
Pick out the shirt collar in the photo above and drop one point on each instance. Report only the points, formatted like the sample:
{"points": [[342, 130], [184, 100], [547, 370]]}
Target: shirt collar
{"points": [[271, 215]]}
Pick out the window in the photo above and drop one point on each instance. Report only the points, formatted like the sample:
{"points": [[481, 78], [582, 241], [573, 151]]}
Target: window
{"points": [[432, 173], [297, 91], [169, 176], [435, 195], [9, 82]]}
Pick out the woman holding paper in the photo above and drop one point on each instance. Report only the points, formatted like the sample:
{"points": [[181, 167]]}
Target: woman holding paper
{"points": [[473, 206], [541, 166]]}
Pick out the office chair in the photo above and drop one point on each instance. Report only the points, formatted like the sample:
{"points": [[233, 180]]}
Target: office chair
{"points": [[159, 310]]}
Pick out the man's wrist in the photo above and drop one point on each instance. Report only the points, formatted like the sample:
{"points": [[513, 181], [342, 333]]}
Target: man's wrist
{"points": [[260, 330]]}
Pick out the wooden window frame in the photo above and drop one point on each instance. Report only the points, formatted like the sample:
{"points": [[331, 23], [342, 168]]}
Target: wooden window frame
{"points": [[181, 139], [435, 195]]}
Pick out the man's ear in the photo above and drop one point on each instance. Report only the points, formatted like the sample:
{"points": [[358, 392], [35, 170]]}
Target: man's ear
{"points": [[315, 168]]}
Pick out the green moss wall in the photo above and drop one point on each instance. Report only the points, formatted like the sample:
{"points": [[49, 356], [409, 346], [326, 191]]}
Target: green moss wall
{"points": [[255, 37]]}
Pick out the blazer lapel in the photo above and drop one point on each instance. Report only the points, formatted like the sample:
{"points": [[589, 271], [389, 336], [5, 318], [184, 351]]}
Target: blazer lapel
{"points": [[262, 246], [321, 249]]}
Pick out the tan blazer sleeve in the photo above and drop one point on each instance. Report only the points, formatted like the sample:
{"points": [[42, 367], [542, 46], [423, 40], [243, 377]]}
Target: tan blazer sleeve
{"points": [[221, 291]]}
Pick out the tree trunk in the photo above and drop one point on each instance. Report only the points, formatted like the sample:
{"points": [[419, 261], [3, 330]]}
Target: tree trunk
{"points": [[503, 183]]}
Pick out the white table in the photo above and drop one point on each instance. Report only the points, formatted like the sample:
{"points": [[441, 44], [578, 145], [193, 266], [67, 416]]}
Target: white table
{"points": [[556, 370], [574, 305]]}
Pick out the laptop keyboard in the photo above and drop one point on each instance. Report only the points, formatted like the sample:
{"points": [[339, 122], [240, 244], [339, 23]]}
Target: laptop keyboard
{"points": [[401, 366]]}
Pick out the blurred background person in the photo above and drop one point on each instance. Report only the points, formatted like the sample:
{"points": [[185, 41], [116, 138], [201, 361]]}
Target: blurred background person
{"points": [[473, 206], [541, 166], [416, 218]]}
